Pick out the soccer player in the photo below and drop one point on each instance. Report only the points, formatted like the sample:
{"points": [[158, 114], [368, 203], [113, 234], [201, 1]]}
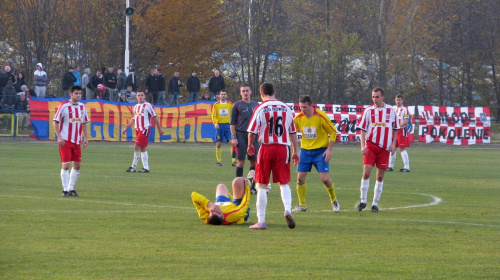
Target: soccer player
{"points": [[221, 118], [318, 137], [144, 114], [228, 209], [70, 123], [241, 114], [402, 140], [378, 127], [272, 123]]}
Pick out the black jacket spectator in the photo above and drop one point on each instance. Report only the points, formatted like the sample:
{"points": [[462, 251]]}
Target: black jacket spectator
{"points": [[4, 79], [8, 97], [68, 80], [94, 82], [163, 83], [110, 77], [193, 84], [216, 84], [153, 83], [173, 85], [21, 105], [19, 83], [122, 81]]}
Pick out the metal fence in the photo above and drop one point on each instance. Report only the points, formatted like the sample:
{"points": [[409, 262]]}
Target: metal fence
{"points": [[15, 123]]}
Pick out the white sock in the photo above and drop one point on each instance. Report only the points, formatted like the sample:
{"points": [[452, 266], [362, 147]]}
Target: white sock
{"points": [[406, 160], [286, 197], [261, 205], [137, 155], [65, 179], [392, 159], [377, 192], [365, 184], [144, 157], [73, 176]]}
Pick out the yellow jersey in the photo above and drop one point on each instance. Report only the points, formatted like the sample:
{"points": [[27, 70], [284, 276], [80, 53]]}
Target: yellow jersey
{"points": [[221, 112], [233, 214], [315, 130]]}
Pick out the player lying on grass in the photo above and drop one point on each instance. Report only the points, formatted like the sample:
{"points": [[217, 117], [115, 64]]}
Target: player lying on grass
{"points": [[228, 209]]}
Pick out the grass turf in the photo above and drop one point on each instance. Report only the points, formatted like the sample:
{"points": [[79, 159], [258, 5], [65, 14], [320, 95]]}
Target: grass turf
{"points": [[440, 221]]}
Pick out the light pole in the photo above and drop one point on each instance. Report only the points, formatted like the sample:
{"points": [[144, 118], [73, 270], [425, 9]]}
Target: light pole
{"points": [[129, 12]]}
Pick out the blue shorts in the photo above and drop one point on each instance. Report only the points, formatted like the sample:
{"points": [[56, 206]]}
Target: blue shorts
{"points": [[223, 198], [224, 132], [315, 157]]}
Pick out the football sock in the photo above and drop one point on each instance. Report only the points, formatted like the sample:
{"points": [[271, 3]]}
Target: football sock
{"points": [[218, 154], [137, 155], [392, 159], [377, 192], [239, 171], [252, 168], [286, 197], [365, 184], [406, 160], [261, 205], [331, 192], [73, 176], [65, 179], [301, 194], [145, 163]]}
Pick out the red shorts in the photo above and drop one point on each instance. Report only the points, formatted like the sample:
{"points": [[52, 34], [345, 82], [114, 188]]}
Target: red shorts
{"points": [[273, 158], [141, 137], [401, 140], [70, 152], [376, 156]]}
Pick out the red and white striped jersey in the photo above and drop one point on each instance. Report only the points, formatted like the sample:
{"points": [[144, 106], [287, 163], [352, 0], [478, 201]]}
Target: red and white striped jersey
{"points": [[379, 124], [70, 118], [401, 115], [143, 115], [272, 121]]}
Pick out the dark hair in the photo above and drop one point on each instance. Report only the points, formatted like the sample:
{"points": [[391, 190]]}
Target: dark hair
{"points": [[267, 89], [400, 96], [305, 99], [244, 85], [379, 89], [215, 220], [74, 87]]}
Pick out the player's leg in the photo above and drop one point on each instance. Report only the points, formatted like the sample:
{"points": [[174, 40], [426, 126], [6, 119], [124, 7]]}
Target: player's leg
{"points": [[281, 174], [406, 159], [301, 191], [238, 186], [382, 159], [262, 174], [218, 153], [330, 189], [75, 171], [65, 154], [221, 190]]}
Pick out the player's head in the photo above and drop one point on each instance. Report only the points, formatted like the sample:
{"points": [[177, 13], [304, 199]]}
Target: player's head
{"points": [[75, 93], [245, 91], [399, 100], [267, 89], [223, 95], [305, 104], [140, 96], [378, 96], [216, 217]]}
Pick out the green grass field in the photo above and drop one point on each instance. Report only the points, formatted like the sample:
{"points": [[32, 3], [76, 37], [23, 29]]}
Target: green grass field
{"points": [[441, 221]]}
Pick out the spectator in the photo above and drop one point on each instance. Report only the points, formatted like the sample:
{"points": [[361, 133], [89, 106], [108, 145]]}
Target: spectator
{"points": [[193, 87], [76, 73], [216, 84], [149, 96], [162, 89], [5, 76], [41, 80], [92, 85], [130, 94], [122, 80], [122, 97], [101, 92], [174, 88], [110, 81], [19, 81], [22, 107], [132, 79], [153, 85], [9, 97], [68, 80], [28, 92], [85, 81], [205, 97]]}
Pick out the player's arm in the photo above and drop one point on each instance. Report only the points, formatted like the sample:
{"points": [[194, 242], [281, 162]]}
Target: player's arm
{"points": [[392, 149], [295, 147], [84, 132], [130, 124], [215, 116], [60, 140], [201, 204], [363, 142], [251, 148], [234, 140], [157, 122]]}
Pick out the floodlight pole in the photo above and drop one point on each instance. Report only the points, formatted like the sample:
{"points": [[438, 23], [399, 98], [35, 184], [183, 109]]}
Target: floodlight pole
{"points": [[127, 52]]}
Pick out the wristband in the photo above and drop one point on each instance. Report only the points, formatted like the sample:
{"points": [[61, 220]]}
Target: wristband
{"points": [[233, 136]]}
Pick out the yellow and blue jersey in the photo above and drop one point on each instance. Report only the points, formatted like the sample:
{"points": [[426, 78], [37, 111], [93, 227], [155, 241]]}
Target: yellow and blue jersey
{"points": [[317, 131], [233, 214], [221, 112]]}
